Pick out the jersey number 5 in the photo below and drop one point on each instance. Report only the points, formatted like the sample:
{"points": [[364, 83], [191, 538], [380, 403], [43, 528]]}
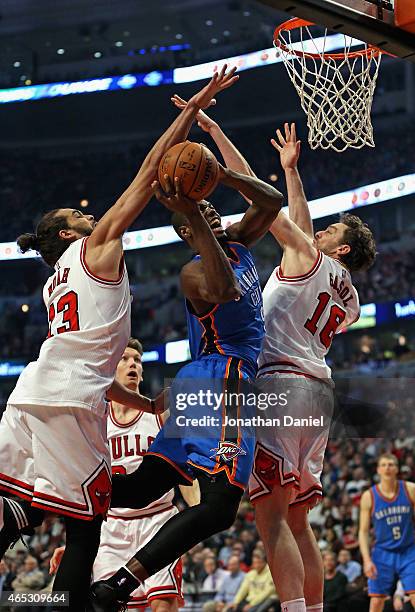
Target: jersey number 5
{"points": [[68, 305], [336, 317]]}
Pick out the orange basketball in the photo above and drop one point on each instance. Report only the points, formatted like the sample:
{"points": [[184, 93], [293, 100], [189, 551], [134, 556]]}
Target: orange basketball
{"points": [[195, 165]]}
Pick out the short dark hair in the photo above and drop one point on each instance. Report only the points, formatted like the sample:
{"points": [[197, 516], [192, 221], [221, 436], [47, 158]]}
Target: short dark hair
{"points": [[177, 221], [136, 345], [362, 244], [46, 240]]}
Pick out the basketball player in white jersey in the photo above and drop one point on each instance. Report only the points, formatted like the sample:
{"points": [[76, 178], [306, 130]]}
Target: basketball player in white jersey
{"points": [[307, 299], [53, 446], [130, 434]]}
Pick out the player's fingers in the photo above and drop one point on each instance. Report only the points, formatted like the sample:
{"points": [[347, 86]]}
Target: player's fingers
{"points": [[231, 82], [223, 71], [287, 131], [293, 132], [159, 193], [230, 74], [276, 145], [168, 185], [178, 187], [281, 138]]}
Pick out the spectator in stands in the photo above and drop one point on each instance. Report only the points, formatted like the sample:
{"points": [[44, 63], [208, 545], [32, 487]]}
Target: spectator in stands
{"points": [[226, 550], [214, 578], [230, 586], [30, 577], [6, 577], [335, 583], [351, 569], [401, 347], [257, 591]]}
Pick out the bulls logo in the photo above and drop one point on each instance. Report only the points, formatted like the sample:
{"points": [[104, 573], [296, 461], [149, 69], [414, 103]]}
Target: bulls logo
{"points": [[265, 467], [99, 491], [227, 451]]}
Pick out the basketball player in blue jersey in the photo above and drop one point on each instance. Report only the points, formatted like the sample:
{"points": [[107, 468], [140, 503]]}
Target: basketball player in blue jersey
{"points": [[390, 507], [224, 309]]}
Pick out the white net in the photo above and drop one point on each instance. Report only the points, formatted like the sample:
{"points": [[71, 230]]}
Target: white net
{"points": [[336, 89]]}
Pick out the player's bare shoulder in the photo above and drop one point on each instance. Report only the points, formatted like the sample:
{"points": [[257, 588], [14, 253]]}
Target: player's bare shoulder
{"points": [[410, 487], [366, 501]]}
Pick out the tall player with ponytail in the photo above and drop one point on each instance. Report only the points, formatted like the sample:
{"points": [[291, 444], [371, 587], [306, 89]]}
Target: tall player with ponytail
{"points": [[53, 445]]}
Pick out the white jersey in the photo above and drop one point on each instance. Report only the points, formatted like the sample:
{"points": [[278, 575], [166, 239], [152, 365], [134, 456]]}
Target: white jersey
{"points": [[128, 444], [89, 328], [302, 314]]}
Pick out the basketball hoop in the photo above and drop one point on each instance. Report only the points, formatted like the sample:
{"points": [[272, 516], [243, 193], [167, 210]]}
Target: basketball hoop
{"points": [[336, 89]]}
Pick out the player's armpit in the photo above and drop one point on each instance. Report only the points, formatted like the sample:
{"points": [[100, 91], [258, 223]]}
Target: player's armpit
{"points": [[105, 260], [255, 223], [196, 289], [289, 235]]}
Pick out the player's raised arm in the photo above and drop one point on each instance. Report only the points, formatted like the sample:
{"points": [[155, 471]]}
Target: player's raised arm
{"points": [[104, 245], [289, 150], [364, 527], [232, 156], [266, 202], [211, 280]]}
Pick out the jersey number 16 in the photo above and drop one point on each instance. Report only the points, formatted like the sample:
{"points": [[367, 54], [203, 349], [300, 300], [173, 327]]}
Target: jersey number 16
{"points": [[336, 317]]}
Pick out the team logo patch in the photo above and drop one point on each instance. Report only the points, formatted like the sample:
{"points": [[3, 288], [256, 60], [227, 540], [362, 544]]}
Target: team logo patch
{"points": [[227, 451], [265, 466]]}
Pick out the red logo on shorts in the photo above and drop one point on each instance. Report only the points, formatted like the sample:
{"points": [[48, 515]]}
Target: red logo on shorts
{"points": [[265, 467], [227, 451], [99, 491]]}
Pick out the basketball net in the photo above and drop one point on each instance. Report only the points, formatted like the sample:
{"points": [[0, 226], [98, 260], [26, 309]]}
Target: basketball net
{"points": [[336, 89]]}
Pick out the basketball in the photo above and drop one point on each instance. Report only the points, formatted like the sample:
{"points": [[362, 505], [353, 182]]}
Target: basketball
{"points": [[195, 165]]}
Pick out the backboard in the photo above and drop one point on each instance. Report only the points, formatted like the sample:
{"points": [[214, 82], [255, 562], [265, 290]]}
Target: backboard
{"points": [[373, 21]]}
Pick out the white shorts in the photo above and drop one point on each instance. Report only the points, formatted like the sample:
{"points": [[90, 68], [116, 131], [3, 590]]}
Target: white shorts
{"points": [[57, 458], [291, 453], [120, 540]]}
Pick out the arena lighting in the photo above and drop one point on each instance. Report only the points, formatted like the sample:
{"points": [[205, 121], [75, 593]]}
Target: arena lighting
{"points": [[384, 191], [264, 57]]}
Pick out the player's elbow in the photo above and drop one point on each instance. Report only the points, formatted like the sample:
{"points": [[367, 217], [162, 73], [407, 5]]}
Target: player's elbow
{"points": [[227, 294], [230, 294]]}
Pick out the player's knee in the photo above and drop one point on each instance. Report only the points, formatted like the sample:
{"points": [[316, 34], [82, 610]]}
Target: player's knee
{"points": [[298, 520], [164, 605]]}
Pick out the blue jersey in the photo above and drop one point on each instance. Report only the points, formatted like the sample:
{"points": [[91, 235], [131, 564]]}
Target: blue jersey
{"points": [[393, 519], [234, 329]]}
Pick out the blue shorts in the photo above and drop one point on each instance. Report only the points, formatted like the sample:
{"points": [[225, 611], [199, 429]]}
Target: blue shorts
{"points": [[206, 431], [392, 566]]}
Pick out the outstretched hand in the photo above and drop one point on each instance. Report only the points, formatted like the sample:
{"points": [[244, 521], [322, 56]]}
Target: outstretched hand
{"points": [[220, 81], [173, 198], [202, 119], [288, 147]]}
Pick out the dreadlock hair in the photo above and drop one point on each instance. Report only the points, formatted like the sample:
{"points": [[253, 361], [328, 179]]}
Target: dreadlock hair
{"points": [[46, 240], [136, 345], [362, 244]]}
